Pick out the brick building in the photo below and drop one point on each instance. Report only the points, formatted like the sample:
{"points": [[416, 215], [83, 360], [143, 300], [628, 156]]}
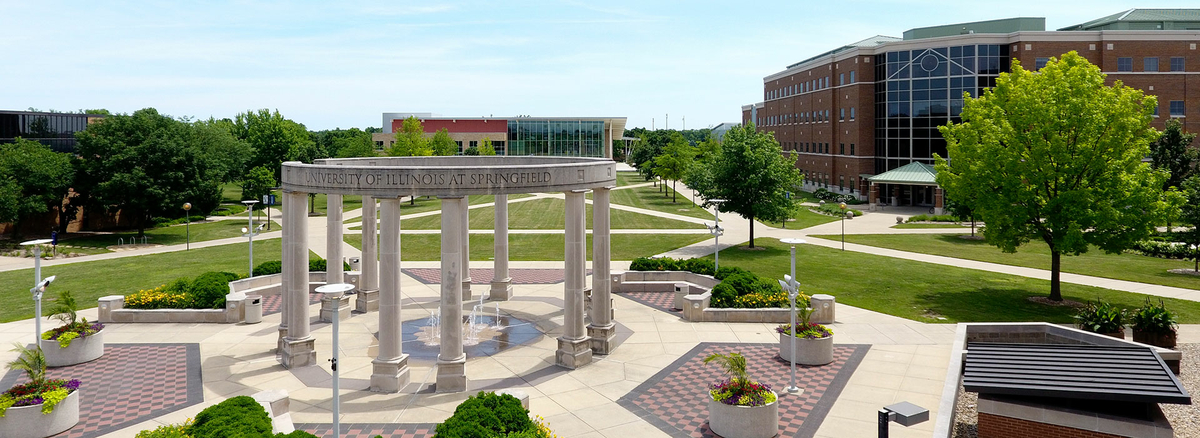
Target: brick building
{"points": [[523, 135], [866, 108]]}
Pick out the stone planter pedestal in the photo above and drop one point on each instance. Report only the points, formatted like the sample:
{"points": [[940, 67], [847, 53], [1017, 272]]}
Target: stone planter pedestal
{"points": [[808, 351], [731, 421], [85, 349], [30, 422]]}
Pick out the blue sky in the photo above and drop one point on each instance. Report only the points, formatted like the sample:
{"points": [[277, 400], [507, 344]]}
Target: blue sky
{"points": [[342, 64]]}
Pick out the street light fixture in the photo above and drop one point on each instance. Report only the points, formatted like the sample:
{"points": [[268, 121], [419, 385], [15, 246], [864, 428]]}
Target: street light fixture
{"points": [[792, 287], [843, 207], [39, 286], [904, 413], [335, 291], [187, 207], [716, 230], [250, 232]]}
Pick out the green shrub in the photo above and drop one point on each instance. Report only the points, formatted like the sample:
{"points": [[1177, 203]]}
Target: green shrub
{"points": [[486, 415], [238, 417], [723, 296], [727, 271], [834, 210], [319, 265], [168, 431], [209, 289], [268, 268], [1151, 318], [699, 266], [1164, 249], [1101, 317], [934, 218]]}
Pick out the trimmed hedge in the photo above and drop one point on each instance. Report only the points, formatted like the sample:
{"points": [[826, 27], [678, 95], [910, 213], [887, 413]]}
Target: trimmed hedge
{"points": [[488, 414], [1166, 250], [698, 266], [238, 417], [739, 288], [209, 289], [934, 218], [835, 210], [276, 266], [828, 196]]}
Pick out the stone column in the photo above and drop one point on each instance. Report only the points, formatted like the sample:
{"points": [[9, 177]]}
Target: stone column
{"points": [[939, 200], [368, 283], [452, 361], [465, 226], [501, 283], [602, 329], [574, 350], [390, 369], [873, 196], [333, 239], [284, 279], [298, 346]]}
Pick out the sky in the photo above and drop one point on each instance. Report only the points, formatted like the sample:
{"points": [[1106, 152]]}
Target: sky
{"points": [[341, 64]]}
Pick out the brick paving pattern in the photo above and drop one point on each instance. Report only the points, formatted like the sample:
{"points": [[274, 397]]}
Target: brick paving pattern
{"points": [[130, 384], [484, 275], [664, 301], [370, 430], [274, 303], [676, 399]]}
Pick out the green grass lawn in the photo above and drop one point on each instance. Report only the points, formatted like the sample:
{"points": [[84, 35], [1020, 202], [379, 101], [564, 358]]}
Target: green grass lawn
{"points": [[629, 178], [231, 193], [89, 281], [1130, 267], [804, 218], [922, 291], [173, 235], [423, 204], [547, 214], [917, 226], [535, 247], [651, 198]]}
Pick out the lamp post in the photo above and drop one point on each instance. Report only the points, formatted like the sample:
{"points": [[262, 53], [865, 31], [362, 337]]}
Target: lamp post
{"points": [[716, 231], [250, 231], [843, 207], [792, 287], [187, 206], [335, 290], [38, 286]]}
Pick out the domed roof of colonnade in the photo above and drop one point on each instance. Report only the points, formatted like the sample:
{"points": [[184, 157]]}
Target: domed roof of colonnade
{"points": [[447, 176]]}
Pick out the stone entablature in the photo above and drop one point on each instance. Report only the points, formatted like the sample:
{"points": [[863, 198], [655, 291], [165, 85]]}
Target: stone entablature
{"points": [[447, 176]]}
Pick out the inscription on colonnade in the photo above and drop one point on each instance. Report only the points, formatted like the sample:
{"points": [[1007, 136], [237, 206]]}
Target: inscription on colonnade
{"points": [[381, 179], [397, 177]]}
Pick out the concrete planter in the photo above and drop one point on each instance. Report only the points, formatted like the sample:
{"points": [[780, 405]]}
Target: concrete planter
{"points": [[30, 422], [808, 351], [731, 421], [1164, 340], [85, 349]]}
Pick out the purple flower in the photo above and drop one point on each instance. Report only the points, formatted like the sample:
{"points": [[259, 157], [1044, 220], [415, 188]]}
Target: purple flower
{"points": [[72, 385]]}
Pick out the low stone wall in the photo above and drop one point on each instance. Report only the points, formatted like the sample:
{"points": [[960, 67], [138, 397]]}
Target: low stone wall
{"points": [[272, 284], [112, 309]]}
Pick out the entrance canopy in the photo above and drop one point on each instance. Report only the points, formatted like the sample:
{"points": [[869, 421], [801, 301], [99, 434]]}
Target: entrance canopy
{"points": [[448, 176], [913, 174]]}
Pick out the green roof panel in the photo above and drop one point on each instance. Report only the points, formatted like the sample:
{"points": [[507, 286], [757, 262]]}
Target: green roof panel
{"points": [[915, 173]]}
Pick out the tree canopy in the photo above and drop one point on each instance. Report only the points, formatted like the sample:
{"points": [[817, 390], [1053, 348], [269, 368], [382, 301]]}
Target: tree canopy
{"points": [[1057, 155], [274, 139], [410, 140], [486, 148], [675, 161], [33, 180], [752, 175], [1171, 152], [442, 144]]}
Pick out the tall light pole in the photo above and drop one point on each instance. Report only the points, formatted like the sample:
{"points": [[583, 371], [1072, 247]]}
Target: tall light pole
{"points": [[335, 291], [843, 208], [716, 231], [250, 231], [38, 286], [187, 207], [792, 287]]}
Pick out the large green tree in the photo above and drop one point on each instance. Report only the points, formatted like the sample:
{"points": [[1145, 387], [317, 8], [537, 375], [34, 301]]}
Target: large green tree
{"points": [[1171, 152], [1190, 213], [674, 162], [442, 144], [410, 140], [227, 155], [33, 180], [258, 182], [1057, 155], [275, 139], [752, 175], [486, 148], [144, 164]]}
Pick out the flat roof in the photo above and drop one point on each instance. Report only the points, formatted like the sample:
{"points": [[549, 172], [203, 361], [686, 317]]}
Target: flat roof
{"points": [[1082, 372]]}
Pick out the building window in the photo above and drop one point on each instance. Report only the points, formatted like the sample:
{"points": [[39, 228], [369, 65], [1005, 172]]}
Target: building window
{"points": [[1040, 63], [841, 149], [1156, 110], [1177, 108], [851, 113], [473, 144], [841, 79], [1176, 63], [841, 114], [1124, 64], [851, 76], [841, 182], [852, 150], [1150, 63]]}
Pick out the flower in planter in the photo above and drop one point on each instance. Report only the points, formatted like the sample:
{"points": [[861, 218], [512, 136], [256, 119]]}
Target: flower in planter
{"points": [[1151, 318], [64, 310], [39, 390], [738, 389], [1101, 317], [805, 329]]}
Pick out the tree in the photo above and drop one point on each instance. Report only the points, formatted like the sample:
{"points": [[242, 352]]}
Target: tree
{"points": [[145, 164], [1057, 155], [354, 146], [1191, 215], [258, 182], [752, 175], [1171, 152], [34, 180], [274, 139], [486, 148], [410, 140], [674, 162], [442, 144], [473, 150], [227, 155]]}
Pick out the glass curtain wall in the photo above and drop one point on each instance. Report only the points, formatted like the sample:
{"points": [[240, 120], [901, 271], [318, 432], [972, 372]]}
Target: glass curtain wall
{"points": [[54, 130], [922, 89], [562, 138]]}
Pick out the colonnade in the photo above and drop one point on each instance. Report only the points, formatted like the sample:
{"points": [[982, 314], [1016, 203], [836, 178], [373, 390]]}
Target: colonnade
{"points": [[379, 283]]}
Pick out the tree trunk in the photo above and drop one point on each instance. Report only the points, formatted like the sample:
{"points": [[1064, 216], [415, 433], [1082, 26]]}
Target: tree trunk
{"points": [[972, 226], [752, 231], [1055, 267], [674, 193]]}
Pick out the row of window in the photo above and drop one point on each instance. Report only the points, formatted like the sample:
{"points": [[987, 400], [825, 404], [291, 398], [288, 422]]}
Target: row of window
{"points": [[805, 117], [805, 87], [822, 179], [818, 148], [1149, 63]]}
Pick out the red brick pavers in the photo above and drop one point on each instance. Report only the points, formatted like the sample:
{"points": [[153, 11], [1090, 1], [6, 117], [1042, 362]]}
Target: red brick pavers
{"points": [[130, 384], [664, 301], [274, 303], [676, 399], [484, 275], [370, 430]]}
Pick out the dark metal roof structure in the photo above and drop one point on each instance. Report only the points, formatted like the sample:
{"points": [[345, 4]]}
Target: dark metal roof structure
{"points": [[1085, 372]]}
